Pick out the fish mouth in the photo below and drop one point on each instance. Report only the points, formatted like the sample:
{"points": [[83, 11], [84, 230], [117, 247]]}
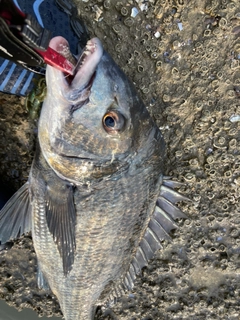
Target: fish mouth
{"points": [[85, 65]]}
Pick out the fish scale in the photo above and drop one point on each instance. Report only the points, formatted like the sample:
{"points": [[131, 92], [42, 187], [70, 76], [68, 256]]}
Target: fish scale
{"points": [[96, 200]]}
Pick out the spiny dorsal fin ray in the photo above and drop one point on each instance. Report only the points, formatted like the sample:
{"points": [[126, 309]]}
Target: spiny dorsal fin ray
{"points": [[173, 211], [132, 272], [172, 195], [61, 219], [160, 224], [146, 248], [159, 231], [136, 266], [141, 258], [164, 219], [15, 216], [152, 239], [172, 183]]}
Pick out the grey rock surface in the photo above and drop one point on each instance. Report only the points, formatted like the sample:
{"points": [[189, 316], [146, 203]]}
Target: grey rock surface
{"points": [[184, 58]]}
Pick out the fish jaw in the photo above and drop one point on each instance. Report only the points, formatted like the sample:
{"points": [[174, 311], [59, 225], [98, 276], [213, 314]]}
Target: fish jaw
{"points": [[71, 86]]}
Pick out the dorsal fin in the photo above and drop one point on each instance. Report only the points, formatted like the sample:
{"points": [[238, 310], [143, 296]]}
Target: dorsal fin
{"points": [[15, 216], [159, 226]]}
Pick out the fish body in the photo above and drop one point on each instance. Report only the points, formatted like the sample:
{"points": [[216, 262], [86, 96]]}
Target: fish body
{"points": [[96, 200]]}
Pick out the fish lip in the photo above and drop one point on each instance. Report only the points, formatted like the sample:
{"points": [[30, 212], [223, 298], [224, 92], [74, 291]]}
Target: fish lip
{"points": [[87, 63], [83, 74]]}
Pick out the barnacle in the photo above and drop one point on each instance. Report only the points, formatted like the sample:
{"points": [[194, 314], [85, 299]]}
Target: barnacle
{"points": [[223, 22], [224, 204], [128, 21], [166, 98], [232, 143], [154, 55], [210, 195], [204, 69], [178, 154], [210, 159], [145, 90], [148, 47], [175, 73], [190, 177], [193, 162], [158, 64], [217, 32], [198, 45], [117, 28], [222, 248], [234, 64], [231, 6], [207, 167], [199, 104], [220, 142], [228, 174], [230, 93], [106, 4], [118, 47], [124, 11], [207, 33], [233, 132], [212, 172]]}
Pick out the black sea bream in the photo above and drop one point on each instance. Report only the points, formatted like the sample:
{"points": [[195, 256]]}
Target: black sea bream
{"points": [[96, 200]]}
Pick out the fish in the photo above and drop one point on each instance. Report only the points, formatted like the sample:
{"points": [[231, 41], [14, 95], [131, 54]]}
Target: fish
{"points": [[96, 202]]}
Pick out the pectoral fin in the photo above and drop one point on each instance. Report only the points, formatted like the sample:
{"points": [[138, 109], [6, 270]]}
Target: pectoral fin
{"points": [[61, 218], [15, 216], [60, 210]]}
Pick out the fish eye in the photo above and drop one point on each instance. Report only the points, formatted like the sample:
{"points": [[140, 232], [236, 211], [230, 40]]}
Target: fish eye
{"points": [[109, 122], [113, 122]]}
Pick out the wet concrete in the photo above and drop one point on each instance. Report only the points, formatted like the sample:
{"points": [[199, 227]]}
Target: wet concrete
{"points": [[10, 313]]}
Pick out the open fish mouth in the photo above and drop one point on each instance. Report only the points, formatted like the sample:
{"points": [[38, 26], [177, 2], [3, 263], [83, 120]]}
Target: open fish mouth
{"points": [[85, 66]]}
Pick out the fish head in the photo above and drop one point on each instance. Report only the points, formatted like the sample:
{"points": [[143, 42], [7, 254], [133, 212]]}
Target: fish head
{"points": [[93, 122]]}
